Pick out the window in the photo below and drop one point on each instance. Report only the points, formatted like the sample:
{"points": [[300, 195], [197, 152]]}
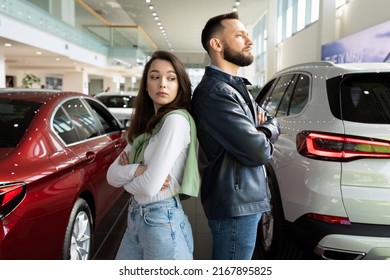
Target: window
{"points": [[64, 127], [365, 98], [74, 118], [294, 15], [107, 120], [274, 100], [301, 95], [15, 117]]}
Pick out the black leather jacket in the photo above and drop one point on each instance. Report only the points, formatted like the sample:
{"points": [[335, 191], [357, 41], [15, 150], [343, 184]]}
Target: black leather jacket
{"points": [[233, 179]]}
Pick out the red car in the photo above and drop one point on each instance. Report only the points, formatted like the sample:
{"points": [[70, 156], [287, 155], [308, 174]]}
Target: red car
{"points": [[55, 149]]}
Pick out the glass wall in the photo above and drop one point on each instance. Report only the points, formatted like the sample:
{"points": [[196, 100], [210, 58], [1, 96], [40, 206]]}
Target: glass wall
{"points": [[295, 15]]}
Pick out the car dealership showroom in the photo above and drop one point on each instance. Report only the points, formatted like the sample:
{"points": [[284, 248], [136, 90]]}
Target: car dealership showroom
{"points": [[320, 68]]}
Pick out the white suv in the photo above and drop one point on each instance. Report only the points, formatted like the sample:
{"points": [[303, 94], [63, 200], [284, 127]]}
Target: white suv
{"points": [[329, 177]]}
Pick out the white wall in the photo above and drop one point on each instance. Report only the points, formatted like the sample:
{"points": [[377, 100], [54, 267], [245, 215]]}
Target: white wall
{"points": [[294, 51]]}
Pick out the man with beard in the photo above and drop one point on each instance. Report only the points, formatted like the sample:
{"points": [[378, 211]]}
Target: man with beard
{"points": [[236, 139]]}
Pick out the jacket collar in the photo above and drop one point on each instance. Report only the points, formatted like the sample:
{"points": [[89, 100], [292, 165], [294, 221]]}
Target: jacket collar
{"points": [[215, 71]]}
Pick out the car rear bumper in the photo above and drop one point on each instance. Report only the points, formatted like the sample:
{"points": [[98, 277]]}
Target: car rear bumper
{"points": [[337, 247], [341, 242]]}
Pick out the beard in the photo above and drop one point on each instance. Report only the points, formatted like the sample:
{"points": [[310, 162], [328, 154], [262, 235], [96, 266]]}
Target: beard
{"points": [[237, 58]]}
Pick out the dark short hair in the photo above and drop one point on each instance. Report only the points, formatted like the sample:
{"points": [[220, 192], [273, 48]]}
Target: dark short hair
{"points": [[214, 26]]}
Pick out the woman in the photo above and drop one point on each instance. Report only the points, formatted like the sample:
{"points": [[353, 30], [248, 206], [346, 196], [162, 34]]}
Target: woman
{"points": [[158, 164]]}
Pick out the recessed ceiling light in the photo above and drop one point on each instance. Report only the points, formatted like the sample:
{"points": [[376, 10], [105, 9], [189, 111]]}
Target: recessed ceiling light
{"points": [[7, 45]]}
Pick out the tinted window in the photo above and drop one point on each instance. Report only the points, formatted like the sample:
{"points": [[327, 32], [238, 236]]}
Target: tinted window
{"points": [[117, 101], [81, 119], [366, 98], [64, 127], [107, 120], [273, 102], [15, 117], [301, 95]]}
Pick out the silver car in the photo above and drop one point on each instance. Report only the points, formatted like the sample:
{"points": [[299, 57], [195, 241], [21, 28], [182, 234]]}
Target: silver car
{"points": [[120, 104], [329, 177]]}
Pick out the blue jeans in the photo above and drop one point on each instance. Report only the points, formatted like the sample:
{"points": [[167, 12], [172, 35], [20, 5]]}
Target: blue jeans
{"points": [[157, 231], [234, 238]]}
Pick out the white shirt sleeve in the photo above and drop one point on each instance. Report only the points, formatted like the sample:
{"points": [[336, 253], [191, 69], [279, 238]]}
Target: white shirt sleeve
{"points": [[118, 175], [160, 155]]}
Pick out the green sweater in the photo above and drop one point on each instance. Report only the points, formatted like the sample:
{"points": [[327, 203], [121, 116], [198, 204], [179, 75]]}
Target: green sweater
{"points": [[191, 178]]}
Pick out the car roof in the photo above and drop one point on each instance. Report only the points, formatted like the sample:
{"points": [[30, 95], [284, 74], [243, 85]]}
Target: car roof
{"points": [[131, 93], [37, 95], [331, 69]]}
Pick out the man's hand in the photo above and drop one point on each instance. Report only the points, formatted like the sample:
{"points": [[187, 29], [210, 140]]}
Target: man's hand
{"points": [[261, 116]]}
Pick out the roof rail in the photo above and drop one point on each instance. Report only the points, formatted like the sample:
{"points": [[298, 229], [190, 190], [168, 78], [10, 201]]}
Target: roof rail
{"points": [[309, 64]]}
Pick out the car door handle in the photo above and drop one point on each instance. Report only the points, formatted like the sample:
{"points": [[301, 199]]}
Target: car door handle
{"points": [[117, 145], [90, 156]]}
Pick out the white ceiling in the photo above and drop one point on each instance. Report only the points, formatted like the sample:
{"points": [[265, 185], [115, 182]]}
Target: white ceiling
{"points": [[182, 20]]}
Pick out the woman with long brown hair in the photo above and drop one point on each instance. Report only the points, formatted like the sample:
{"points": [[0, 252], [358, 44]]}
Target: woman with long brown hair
{"points": [[159, 164]]}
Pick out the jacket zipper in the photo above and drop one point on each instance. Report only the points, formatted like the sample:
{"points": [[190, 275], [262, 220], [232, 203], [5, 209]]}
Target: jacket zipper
{"points": [[235, 177]]}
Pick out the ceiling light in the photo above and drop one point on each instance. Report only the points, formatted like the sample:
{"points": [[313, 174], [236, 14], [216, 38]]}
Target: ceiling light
{"points": [[238, 3], [151, 7], [7, 45], [154, 14], [147, 1]]}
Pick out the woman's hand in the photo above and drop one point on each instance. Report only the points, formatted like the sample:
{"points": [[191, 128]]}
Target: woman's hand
{"points": [[142, 168], [124, 159], [166, 183]]}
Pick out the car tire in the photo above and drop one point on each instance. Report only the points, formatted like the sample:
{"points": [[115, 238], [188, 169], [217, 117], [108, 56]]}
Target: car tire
{"points": [[79, 233], [272, 238]]}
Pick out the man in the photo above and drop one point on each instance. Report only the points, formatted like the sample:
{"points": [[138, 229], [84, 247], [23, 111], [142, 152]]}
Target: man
{"points": [[236, 137]]}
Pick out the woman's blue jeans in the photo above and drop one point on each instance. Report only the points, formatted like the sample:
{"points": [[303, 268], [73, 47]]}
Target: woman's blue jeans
{"points": [[157, 231], [234, 238]]}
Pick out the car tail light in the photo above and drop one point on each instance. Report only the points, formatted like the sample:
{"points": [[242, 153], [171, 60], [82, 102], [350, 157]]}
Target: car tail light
{"points": [[329, 219], [10, 197], [337, 147]]}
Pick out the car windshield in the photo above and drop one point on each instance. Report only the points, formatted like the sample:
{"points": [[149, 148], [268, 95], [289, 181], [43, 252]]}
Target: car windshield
{"points": [[15, 117], [117, 101]]}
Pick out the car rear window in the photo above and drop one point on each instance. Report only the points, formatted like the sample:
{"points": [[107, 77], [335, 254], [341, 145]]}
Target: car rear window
{"points": [[15, 117], [117, 101], [365, 98]]}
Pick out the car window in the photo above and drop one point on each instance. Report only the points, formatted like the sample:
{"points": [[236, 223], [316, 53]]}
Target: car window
{"points": [[64, 127], [15, 117], [106, 119], [366, 98], [117, 101], [300, 96], [286, 98], [80, 119], [273, 101]]}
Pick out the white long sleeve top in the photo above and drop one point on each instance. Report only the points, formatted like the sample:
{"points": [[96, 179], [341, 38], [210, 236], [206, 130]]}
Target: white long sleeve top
{"points": [[166, 154]]}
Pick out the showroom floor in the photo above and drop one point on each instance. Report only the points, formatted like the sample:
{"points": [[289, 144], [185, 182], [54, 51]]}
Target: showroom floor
{"points": [[109, 234]]}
